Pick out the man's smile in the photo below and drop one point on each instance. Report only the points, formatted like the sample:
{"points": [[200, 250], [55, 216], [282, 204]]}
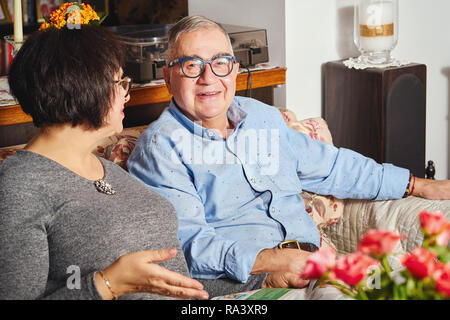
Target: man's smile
{"points": [[208, 94]]}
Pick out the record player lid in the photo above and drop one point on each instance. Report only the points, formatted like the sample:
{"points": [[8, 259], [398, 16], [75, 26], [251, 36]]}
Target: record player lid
{"points": [[142, 34]]}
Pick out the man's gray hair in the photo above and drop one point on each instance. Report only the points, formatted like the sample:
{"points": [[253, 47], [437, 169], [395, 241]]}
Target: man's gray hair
{"points": [[189, 24]]}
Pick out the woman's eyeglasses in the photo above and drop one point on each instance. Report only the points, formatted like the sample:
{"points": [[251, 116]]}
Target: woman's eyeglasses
{"points": [[125, 83]]}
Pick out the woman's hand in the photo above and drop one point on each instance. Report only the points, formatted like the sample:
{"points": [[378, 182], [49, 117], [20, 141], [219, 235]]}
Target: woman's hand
{"points": [[137, 272]]}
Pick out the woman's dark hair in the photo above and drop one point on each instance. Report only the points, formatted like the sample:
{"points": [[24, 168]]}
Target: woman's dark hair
{"points": [[67, 75]]}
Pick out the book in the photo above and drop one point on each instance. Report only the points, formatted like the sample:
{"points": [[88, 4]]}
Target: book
{"points": [[266, 294], [311, 292]]}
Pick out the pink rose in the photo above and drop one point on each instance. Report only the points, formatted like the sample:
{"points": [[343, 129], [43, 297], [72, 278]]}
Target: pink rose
{"points": [[319, 263], [378, 242], [432, 222], [420, 262], [353, 268], [443, 237], [442, 278]]}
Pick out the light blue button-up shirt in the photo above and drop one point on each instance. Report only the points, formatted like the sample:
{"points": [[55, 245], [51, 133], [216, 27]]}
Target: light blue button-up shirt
{"points": [[237, 196]]}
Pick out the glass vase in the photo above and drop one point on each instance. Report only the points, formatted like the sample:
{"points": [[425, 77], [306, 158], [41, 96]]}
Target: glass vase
{"points": [[375, 30]]}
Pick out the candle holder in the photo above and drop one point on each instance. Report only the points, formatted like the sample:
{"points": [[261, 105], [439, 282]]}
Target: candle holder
{"points": [[376, 30], [16, 45]]}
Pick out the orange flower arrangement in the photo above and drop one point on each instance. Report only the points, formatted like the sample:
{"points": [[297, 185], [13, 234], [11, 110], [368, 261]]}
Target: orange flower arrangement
{"points": [[72, 13]]}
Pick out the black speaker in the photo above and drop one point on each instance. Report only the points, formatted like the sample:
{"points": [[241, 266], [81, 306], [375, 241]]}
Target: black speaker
{"points": [[378, 112]]}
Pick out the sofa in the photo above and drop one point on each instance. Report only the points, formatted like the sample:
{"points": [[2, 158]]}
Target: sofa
{"points": [[341, 222]]}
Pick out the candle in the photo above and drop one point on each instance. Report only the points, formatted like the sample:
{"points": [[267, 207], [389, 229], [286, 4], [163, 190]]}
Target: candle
{"points": [[18, 32], [376, 26]]}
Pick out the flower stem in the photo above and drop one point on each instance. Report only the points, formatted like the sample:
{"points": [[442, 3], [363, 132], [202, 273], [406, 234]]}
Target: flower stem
{"points": [[344, 289], [362, 293], [426, 242], [386, 266]]}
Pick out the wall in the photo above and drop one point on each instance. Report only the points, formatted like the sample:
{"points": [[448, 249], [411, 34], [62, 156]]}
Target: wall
{"points": [[267, 14], [321, 31]]}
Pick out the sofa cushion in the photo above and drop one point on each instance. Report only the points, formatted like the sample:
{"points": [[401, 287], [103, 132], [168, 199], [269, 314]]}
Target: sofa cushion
{"points": [[325, 210], [117, 148]]}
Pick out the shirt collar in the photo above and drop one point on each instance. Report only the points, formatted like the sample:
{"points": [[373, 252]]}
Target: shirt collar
{"points": [[236, 115]]}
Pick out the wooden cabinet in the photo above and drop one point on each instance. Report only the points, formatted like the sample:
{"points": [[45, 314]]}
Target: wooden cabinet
{"points": [[378, 112], [156, 94]]}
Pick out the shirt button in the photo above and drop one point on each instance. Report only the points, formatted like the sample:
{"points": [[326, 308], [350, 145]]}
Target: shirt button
{"points": [[252, 180], [210, 133], [272, 209]]}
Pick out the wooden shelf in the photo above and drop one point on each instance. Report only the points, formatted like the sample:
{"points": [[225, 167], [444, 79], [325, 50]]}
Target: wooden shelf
{"points": [[13, 114]]}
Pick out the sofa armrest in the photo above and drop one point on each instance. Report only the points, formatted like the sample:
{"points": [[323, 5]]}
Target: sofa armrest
{"points": [[397, 215]]}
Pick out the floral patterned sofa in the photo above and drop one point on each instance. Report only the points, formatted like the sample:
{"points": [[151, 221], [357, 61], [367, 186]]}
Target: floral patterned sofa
{"points": [[341, 222]]}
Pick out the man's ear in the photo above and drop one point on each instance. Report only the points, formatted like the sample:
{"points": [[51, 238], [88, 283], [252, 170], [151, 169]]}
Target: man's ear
{"points": [[236, 68], [166, 73]]}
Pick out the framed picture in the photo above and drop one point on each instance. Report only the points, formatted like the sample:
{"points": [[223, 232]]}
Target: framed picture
{"points": [[5, 16], [147, 11], [45, 7]]}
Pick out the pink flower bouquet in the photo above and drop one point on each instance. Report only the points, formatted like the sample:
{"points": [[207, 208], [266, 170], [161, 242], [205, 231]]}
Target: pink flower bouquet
{"points": [[367, 275]]}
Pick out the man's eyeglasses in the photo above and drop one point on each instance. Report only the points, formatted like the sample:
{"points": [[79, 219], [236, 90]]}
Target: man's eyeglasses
{"points": [[193, 67], [125, 83]]}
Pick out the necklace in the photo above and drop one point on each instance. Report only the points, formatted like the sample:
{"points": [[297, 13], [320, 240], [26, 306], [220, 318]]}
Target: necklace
{"points": [[104, 187]]}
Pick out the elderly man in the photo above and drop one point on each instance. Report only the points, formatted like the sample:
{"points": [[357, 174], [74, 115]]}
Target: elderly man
{"points": [[234, 170]]}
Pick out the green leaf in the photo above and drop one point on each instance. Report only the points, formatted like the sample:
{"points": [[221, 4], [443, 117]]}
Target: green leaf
{"points": [[103, 16], [410, 288], [396, 294], [437, 250], [445, 256], [402, 291], [420, 293]]}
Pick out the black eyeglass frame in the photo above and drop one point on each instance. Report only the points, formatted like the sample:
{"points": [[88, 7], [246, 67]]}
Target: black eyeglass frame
{"points": [[203, 63], [127, 80]]}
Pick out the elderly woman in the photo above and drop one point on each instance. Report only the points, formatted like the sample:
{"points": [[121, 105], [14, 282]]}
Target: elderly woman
{"points": [[72, 225]]}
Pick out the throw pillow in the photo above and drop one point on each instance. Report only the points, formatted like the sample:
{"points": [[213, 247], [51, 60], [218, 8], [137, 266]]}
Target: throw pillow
{"points": [[325, 210]]}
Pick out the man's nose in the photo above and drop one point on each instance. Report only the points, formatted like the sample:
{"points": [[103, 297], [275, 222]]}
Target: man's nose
{"points": [[207, 75]]}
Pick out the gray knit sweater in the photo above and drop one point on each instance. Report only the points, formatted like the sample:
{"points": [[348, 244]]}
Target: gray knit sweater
{"points": [[55, 225]]}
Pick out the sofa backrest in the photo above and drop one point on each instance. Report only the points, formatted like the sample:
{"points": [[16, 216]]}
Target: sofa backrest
{"points": [[116, 148], [325, 210]]}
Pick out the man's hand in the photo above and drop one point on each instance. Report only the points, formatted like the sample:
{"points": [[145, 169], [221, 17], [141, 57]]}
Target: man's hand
{"points": [[432, 189], [284, 280], [280, 260]]}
